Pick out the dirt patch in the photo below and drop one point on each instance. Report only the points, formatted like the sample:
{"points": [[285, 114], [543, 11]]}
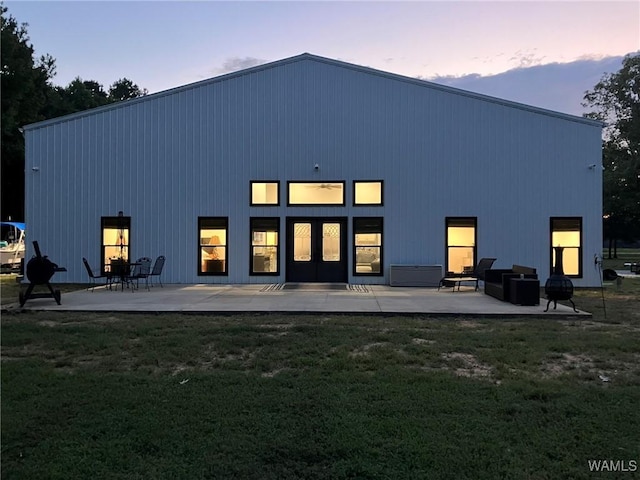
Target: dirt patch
{"points": [[48, 323], [467, 365], [567, 362], [212, 357], [272, 373], [179, 368], [30, 351], [364, 350], [584, 365], [276, 326], [617, 326], [275, 334], [89, 320], [422, 341], [469, 324]]}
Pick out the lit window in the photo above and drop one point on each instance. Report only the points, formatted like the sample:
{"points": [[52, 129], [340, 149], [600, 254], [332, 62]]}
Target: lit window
{"points": [[212, 251], [316, 193], [367, 246], [367, 193], [264, 193], [115, 242], [461, 244], [265, 234], [566, 232]]}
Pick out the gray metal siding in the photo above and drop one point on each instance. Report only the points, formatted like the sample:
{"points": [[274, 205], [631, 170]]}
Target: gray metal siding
{"points": [[169, 159]]}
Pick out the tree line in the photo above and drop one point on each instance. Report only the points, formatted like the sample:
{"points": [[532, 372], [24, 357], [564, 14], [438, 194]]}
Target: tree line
{"points": [[615, 100], [28, 95]]}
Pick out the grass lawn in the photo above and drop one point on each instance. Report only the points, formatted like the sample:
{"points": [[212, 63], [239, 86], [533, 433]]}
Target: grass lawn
{"points": [[122, 396]]}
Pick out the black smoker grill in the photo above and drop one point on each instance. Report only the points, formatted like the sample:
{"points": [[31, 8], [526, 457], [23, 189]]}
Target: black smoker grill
{"points": [[39, 271], [558, 285]]}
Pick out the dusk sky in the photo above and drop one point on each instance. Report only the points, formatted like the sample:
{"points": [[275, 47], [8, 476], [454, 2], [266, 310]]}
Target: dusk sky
{"points": [[542, 53]]}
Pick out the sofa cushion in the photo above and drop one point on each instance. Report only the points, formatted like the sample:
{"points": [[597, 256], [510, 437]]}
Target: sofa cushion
{"points": [[523, 270]]}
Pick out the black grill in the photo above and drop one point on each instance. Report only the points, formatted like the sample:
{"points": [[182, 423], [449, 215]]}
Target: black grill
{"points": [[39, 271], [558, 286]]}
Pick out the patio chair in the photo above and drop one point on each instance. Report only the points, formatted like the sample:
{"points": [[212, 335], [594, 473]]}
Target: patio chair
{"points": [[478, 271], [452, 279], [140, 270], [157, 270], [93, 277]]}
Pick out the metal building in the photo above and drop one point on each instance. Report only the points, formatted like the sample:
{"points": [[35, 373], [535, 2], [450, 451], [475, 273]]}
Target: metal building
{"points": [[312, 169]]}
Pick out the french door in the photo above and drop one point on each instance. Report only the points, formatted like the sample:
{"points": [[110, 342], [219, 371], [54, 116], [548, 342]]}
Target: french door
{"points": [[316, 249]]}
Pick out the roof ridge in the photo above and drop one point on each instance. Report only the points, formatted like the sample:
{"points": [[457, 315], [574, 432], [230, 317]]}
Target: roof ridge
{"points": [[313, 57]]}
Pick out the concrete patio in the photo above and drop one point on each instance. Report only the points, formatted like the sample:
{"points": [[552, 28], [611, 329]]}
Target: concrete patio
{"points": [[306, 298]]}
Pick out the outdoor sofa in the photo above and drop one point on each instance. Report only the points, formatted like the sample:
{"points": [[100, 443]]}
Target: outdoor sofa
{"points": [[497, 281]]}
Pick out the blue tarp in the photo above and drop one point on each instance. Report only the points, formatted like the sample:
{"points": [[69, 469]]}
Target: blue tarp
{"points": [[19, 225]]}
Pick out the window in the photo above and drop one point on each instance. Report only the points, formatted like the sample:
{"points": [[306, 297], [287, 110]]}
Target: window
{"points": [[116, 233], [461, 244], [316, 193], [265, 193], [367, 192], [265, 254], [331, 241], [367, 246], [212, 251], [566, 232]]}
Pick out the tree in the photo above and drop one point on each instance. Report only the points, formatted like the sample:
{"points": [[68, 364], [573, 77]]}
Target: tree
{"points": [[85, 94], [125, 89], [616, 102], [24, 86], [28, 96]]}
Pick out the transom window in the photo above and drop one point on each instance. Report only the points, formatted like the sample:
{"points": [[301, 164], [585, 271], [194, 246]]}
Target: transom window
{"points": [[115, 242], [316, 193], [265, 252], [265, 193], [212, 251], [461, 244], [367, 246], [367, 192], [566, 232]]}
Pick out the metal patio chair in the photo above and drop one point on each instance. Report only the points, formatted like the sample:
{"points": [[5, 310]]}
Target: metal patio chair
{"points": [[140, 270], [93, 277], [157, 270]]}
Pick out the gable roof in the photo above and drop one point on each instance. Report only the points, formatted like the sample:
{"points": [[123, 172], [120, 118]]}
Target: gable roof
{"points": [[329, 61]]}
